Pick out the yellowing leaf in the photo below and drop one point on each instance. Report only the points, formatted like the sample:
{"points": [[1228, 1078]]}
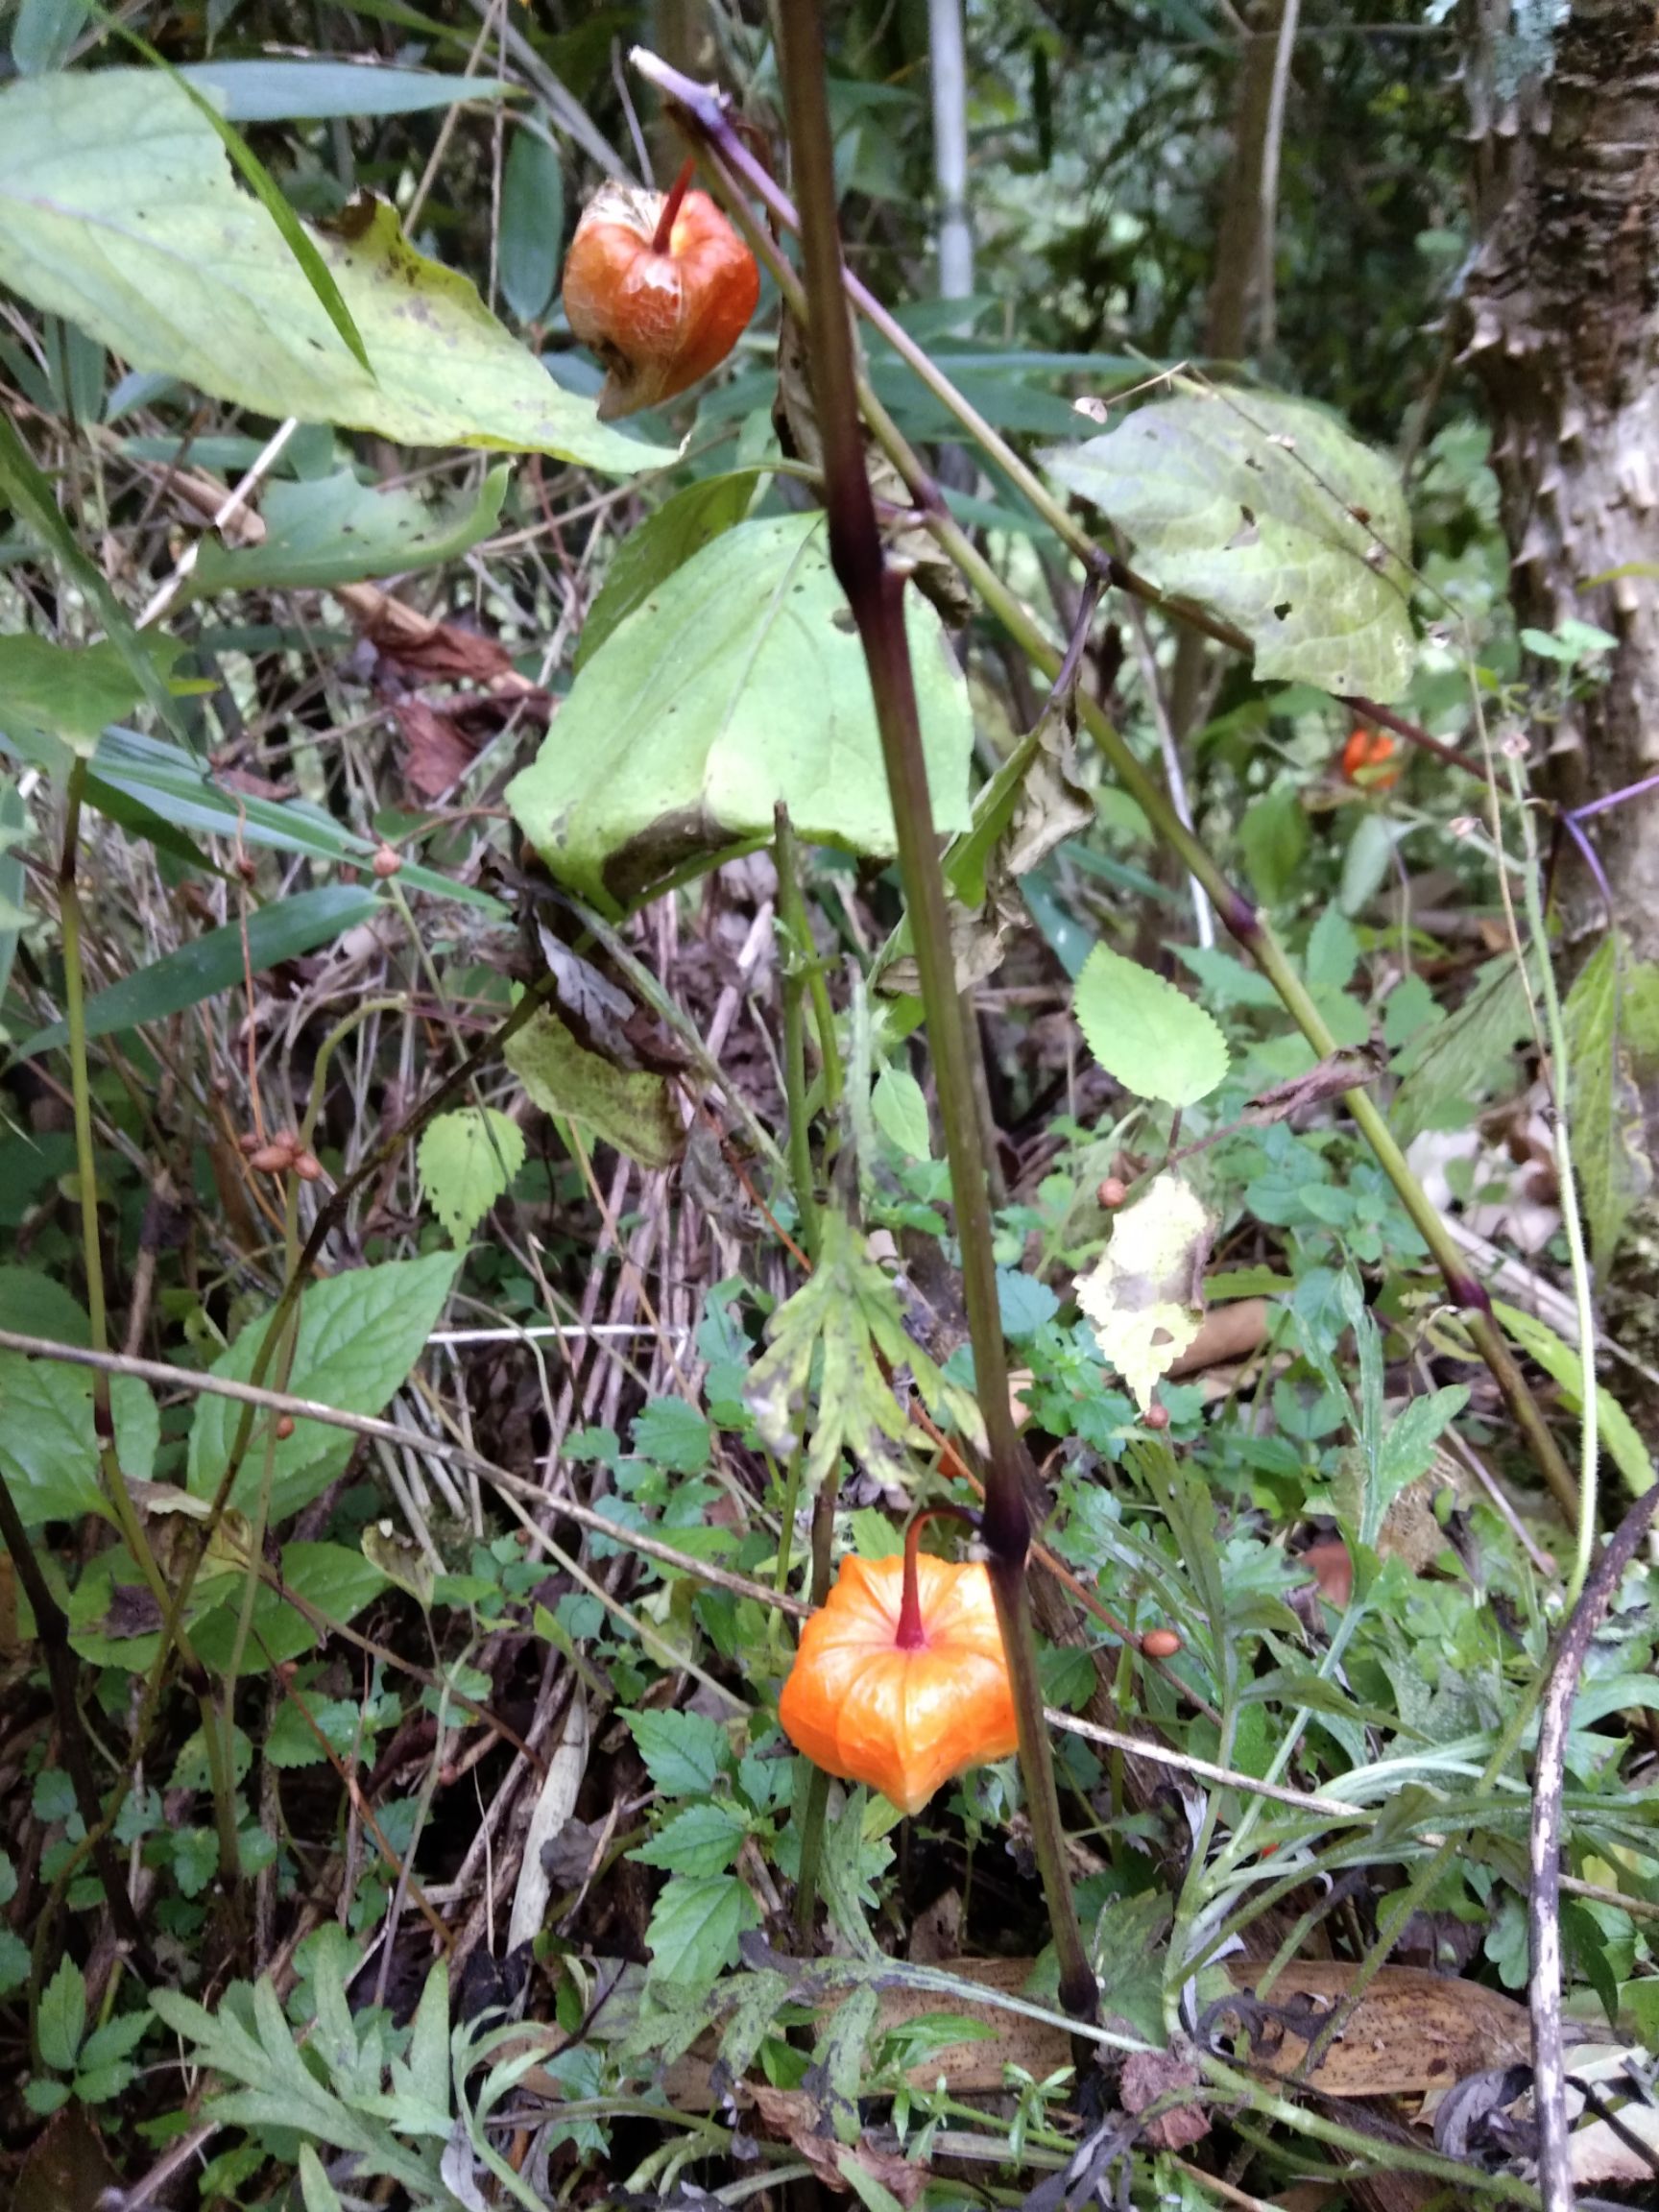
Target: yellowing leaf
{"points": [[118, 211], [466, 1160], [1145, 1297]]}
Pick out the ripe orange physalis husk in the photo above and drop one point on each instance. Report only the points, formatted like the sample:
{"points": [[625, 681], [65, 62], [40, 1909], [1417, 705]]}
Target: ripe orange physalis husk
{"points": [[863, 1707], [1368, 760], [658, 317]]}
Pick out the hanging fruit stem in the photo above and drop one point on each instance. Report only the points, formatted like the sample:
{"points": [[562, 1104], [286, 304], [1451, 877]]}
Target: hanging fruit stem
{"points": [[911, 1633], [672, 205], [875, 596]]}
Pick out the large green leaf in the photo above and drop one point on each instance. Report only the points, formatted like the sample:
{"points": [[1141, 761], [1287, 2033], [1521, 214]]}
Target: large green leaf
{"points": [[359, 1336], [1156, 1042], [68, 692], [1251, 504], [647, 557], [334, 530], [531, 224], [306, 91], [215, 961], [626, 1106], [117, 210], [737, 683]]}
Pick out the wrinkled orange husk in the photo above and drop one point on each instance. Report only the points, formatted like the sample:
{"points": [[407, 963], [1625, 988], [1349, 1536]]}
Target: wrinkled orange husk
{"points": [[659, 322], [904, 1722]]}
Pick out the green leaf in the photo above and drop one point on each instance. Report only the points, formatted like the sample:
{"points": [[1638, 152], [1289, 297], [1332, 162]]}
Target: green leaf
{"points": [[173, 782], [531, 231], [694, 1928], [1455, 1067], [1245, 501], [116, 2038], [1408, 1441], [49, 1446], [1024, 1302], [45, 33], [214, 962], [359, 1336], [316, 2192], [37, 1304], [672, 1434], [1333, 951], [467, 1159], [628, 1108], [702, 1839], [292, 1738], [68, 692], [845, 1314], [314, 91], [1273, 836], [899, 1106], [685, 1753], [1562, 1365], [1605, 1111], [118, 211], [736, 684], [334, 530], [647, 557], [1151, 1037], [62, 2021], [15, 1962]]}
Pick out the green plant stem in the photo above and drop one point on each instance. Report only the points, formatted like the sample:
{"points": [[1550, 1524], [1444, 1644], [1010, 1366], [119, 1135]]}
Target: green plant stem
{"points": [[725, 155], [1572, 1220], [817, 1805], [876, 595], [115, 1489], [797, 952]]}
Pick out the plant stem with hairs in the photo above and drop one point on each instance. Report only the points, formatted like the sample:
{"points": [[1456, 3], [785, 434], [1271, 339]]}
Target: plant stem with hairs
{"points": [[876, 595]]}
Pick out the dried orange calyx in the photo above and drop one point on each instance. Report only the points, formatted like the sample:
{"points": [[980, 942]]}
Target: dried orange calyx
{"points": [[903, 1695], [660, 286]]}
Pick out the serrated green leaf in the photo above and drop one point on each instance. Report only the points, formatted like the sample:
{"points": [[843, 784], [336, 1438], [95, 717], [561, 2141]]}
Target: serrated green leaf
{"points": [[702, 1839], [685, 1753], [847, 1312], [467, 1159], [694, 1928], [1604, 1108], [531, 231], [1333, 951], [1245, 501], [48, 1445], [899, 1106], [15, 1962], [114, 2039], [737, 683], [335, 530], [119, 211], [1409, 1442], [1151, 1037], [61, 2018], [360, 1334], [673, 1435], [627, 1108], [69, 691]]}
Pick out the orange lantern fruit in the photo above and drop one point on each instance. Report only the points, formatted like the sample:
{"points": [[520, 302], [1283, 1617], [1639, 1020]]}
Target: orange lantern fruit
{"points": [[1368, 760], [660, 287], [901, 1679]]}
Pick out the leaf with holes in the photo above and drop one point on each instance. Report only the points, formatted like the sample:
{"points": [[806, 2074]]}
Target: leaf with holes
{"points": [[1253, 505], [1145, 1297], [467, 1159]]}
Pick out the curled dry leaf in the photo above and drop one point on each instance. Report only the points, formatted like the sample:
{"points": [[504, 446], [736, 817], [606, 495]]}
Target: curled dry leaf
{"points": [[1150, 2076], [1145, 1297]]}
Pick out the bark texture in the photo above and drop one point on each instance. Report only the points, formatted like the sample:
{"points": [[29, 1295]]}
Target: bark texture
{"points": [[1561, 325]]}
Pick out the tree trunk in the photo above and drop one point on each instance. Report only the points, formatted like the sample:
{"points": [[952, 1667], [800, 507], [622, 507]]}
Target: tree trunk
{"points": [[1561, 325]]}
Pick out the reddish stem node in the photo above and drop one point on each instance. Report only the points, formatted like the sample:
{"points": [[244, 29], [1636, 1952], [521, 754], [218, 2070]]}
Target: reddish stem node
{"points": [[671, 208]]}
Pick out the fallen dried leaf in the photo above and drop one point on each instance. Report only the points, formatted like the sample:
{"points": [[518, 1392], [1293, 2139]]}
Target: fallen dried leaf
{"points": [[1151, 2075]]}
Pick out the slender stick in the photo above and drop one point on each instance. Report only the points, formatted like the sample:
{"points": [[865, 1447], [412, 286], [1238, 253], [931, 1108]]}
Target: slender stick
{"points": [[875, 596], [798, 949]]}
